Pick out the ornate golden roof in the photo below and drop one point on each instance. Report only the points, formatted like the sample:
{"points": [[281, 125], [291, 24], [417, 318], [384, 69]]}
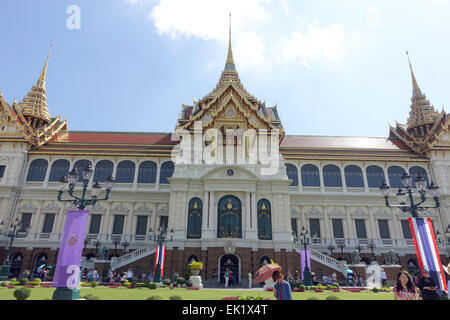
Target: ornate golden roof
{"points": [[422, 113], [34, 106]]}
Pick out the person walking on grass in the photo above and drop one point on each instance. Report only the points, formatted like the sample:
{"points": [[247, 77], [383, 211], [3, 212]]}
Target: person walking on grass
{"points": [[282, 288], [405, 289]]}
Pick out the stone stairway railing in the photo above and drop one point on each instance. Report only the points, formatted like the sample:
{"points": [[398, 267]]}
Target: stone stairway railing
{"points": [[328, 261], [133, 256]]}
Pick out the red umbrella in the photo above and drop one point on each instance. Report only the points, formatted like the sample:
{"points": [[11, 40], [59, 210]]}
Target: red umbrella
{"points": [[265, 272]]}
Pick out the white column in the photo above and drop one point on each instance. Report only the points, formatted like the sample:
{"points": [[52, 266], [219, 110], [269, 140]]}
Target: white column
{"points": [[254, 213], [212, 201], [247, 209], [205, 213]]}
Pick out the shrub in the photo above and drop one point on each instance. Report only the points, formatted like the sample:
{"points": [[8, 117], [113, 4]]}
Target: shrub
{"points": [[126, 283], [146, 283], [91, 297], [152, 286], [375, 290], [37, 280], [24, 282], [332, 297], [313, 288], [94, 284], [166, 282], [189, 283], [329, 287], [175, 298], [4, 284], [302, 286], [22, 293], [313, 298], [13, 283], [196, 265], [142, 285], [336, 285], [134, 284], [181, 280], [157, 297]]}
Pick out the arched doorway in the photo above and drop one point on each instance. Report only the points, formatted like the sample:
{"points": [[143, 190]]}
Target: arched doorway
{"points": [[230, 262], [413, 268], [229, 219], [263, 261], [16, 264], [40, 260]]}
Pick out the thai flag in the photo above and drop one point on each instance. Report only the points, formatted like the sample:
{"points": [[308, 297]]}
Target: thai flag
{"points": [[426, 249], [160, 258]]}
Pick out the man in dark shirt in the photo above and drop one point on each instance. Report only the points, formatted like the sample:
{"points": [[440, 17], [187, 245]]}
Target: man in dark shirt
{"points": [[428, 287]]}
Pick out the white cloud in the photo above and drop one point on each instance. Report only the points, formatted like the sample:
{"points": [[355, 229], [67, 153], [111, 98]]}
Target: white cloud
{"points": [[374, 17], [249, 50], [317, 43], [285, 5], [208, 19]]}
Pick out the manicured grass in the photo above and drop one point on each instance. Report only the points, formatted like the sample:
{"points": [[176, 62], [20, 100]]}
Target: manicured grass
{"points": [[144, 293]]}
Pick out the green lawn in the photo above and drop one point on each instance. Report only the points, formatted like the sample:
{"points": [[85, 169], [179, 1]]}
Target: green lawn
{"points": [[144, 293]]}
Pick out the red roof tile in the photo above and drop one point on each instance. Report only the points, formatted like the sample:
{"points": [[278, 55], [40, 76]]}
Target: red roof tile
{"points": [[339, 143]]}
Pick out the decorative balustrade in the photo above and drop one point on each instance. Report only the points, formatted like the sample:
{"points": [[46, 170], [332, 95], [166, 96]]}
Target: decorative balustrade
{"points": [[133, 256]]}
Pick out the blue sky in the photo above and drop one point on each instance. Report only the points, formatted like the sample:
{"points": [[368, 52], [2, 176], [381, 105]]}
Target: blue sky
{"points": [[332, 67]]}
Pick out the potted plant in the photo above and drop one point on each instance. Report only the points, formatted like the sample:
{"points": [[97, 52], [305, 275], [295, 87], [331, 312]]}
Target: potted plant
{"points": [[195, 267]]}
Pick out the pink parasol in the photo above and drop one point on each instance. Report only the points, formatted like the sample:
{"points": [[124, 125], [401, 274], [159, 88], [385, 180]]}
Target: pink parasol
{"points": [[265, 272]]}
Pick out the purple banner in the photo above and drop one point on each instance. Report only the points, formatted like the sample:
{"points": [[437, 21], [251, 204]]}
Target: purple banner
{"points": [[302, 260], [67, 270]]}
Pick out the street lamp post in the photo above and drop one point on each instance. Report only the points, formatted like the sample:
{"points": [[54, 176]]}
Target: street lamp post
{"points": [[160, 237], [372, 246], [331, 247], [125, 245], [82, 202], [402, 196], [69, 182], [307, 279], [341, 245], [116, 242], [11, 234]]}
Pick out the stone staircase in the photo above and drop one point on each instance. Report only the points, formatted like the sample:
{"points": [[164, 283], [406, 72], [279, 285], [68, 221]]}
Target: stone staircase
{"points": [[117, 263], [327, 261]]}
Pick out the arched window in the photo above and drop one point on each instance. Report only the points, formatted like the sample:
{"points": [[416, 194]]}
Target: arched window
{"points": [[194, 229], [292, 174], [81, 165], [264, 220], [263, 261], [147, 172], [192, 259], [125, 172], [354, 177], [60, 168], [310, 176], [395, 173], [103, 170], [375, 176], [167, 169], [229, 220], [38, 170], [415, 171], [16, 264], [332, 176]]}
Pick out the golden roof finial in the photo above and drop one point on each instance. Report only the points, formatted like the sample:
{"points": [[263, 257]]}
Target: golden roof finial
{"points": [[230, 66], [41, 80], [416, 88]]}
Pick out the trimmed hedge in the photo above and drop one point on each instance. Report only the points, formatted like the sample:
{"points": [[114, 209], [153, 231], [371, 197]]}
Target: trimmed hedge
{"points": [[22, 293], [157, 297]]}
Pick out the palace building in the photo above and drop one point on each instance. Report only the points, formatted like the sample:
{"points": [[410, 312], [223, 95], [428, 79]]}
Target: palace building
{"points": [[228, 215]]}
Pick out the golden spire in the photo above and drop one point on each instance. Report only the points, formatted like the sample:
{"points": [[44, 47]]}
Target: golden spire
{"points": [[41, 80], [34, 105], [416, 89], [422, 112], [229, 65]]}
